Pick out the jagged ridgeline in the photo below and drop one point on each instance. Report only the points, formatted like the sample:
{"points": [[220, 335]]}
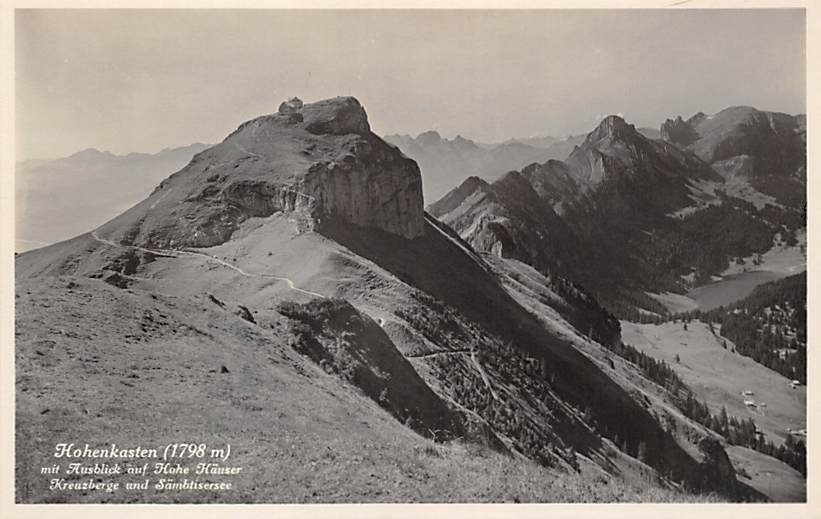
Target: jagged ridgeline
{"points": [[286, 292], [627, 216]]}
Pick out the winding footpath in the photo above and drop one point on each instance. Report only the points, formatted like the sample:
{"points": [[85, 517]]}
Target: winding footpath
{"points": [[179, 253], [485, 378], [473, 359], [440, 352]]}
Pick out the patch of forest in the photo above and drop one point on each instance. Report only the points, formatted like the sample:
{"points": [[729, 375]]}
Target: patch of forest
{"points": [[634, 254]]}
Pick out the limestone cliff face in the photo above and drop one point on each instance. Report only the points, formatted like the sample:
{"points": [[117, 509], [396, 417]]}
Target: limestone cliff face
{"points": [[371, 186], [315, 162]]}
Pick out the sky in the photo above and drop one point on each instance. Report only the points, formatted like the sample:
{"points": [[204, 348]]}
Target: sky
{"points": [[143, 80]]}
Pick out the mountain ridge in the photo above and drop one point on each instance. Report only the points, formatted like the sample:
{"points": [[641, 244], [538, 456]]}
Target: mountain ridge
{"points": [[620, 191]]}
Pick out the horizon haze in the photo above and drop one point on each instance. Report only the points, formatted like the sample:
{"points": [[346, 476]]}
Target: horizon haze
{"points": [[197, 74]]}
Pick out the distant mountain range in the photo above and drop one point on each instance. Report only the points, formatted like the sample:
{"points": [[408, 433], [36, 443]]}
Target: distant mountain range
{"points": [[626, 215], [61, 198], [447, 162]]}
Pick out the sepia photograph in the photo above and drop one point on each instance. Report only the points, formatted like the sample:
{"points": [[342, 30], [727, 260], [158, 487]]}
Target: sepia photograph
{"points": [[352, 256]]}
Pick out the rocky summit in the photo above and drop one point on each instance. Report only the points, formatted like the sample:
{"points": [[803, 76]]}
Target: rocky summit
{"points": [[313, 161]]}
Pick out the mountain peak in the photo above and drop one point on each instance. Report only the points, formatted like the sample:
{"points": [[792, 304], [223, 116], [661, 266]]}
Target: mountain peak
{"points": [[612, 127], [472, 183], [90, 153], [336, 116], [455, 197], [318, 162], [429, 138], [462, 143]]}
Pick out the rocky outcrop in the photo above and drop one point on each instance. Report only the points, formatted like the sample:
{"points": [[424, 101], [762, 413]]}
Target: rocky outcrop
{"points": [[314, 161], [372, 190], [290, 106], [338, 116], [678, 132]]}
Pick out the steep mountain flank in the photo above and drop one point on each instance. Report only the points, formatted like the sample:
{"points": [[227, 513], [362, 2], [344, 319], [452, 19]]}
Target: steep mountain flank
{"points": [[554, 182], [340, 339], [592, 207], [509, 219], [504, 217], [470, 288]]}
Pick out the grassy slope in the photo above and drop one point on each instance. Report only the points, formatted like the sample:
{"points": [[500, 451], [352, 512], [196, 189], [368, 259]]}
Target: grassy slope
{"points": [[463, 284], [160, 385], [768, 475], [718, 377], [524, 283], [89, 371]]}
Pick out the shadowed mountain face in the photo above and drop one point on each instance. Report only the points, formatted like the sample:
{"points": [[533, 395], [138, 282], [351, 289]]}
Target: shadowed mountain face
{"points": [[767, 148], [613, 185], [292, 271], [625, 214]]}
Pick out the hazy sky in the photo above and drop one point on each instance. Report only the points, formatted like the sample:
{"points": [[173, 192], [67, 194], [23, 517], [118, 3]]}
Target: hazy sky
{"points": [[142, 80]]}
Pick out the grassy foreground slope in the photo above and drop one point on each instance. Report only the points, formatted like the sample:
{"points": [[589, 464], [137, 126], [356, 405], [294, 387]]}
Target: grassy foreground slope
{"points": [[301, 434]]}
